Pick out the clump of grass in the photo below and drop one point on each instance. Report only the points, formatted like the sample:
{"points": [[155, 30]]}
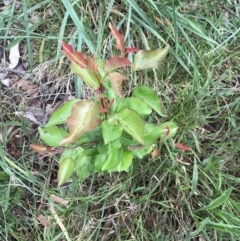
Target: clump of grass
{"points": [[178, 196]]}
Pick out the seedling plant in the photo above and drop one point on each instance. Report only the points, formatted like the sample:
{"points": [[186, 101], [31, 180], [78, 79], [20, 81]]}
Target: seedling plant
{"points": [[104, 133]]}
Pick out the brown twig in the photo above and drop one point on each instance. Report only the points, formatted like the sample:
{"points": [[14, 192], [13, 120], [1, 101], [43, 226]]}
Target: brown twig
{"points": [[21, 73], [230, 11]]}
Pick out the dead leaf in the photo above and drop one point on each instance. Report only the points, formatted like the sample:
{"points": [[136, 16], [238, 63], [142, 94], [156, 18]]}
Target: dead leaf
{"points": [[59, 221], [49, 109], [7, 2], [14, 56], [51, 12], [155, 153], [183, 147], [6, 82], [27, 85], [27, 115], [166, 132], [3, 76], [34, 114], [40, 148], [8, 132], [44, 221], [58, 200]]}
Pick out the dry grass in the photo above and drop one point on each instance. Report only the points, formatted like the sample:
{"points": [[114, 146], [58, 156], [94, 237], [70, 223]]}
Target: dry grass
{"points": [[157, 199]]}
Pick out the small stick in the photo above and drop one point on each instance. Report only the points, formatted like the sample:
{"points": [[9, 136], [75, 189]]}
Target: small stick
{"points": [[230, 11], [21, 73]]}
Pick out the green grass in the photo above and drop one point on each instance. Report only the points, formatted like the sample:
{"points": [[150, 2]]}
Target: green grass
{"points": [[178, 196]]}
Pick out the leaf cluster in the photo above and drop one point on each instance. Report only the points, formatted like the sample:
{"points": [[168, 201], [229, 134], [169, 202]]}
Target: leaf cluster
{"points": [[106, 132]]}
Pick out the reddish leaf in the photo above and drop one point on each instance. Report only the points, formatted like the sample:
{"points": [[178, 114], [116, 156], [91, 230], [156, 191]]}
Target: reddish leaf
{"points": [[116, 80], [75, 56], [131, 50], [155, 153], [116, 62], [83, 118], [40, 148], [119, 38], [104, 110], [183, 147]]}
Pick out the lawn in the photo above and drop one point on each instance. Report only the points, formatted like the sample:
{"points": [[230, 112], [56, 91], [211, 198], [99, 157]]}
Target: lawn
{"points": [[181, 194]]}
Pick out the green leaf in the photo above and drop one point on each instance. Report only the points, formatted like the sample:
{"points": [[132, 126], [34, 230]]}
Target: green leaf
{"points": [[65, 154], [102, 148], [126, 161], [126, 158], [85, 171], [164, 131], [52, 135], [91, 152], [136, 104], [112, 160], [81, 156], [87, 75], [219, 201], [149, 96], [83, 118], [99, 161], [127, 140], [95, 134], [81, 160], [113, 153], [65, 170], [85, 165], [110, 132], [76, 152], [142, 151], [137, 149], [148, 59], [60, 115], [132, 123]]}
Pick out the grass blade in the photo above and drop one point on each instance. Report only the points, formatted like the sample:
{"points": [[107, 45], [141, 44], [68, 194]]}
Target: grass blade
{"points": [[28, 33], [218, 201], [194, 178], [79, 25]]}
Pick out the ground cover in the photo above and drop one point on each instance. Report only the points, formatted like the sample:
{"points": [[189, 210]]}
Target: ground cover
{"points": [[180, 195]]}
